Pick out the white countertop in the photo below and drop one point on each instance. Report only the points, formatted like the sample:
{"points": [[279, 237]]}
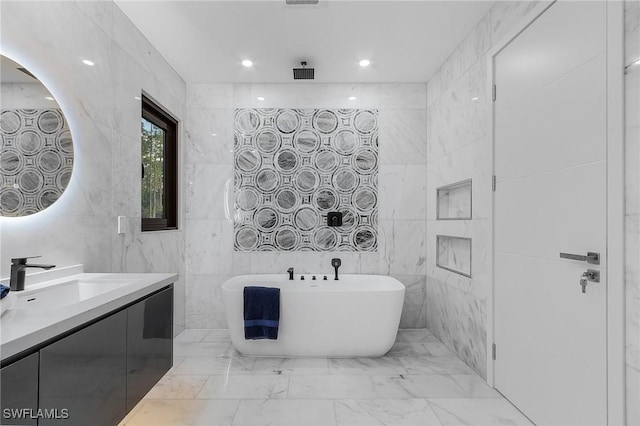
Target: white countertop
{"points": [[22, 329]]}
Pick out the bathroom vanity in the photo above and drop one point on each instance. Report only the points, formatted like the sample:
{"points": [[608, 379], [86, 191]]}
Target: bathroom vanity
{"points": [[83, 349]]}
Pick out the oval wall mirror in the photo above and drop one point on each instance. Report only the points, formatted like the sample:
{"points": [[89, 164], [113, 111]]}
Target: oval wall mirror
{"points": [[36, 149]]}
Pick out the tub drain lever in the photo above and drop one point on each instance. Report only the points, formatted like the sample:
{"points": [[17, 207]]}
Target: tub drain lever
{"points": [[336, 264]]}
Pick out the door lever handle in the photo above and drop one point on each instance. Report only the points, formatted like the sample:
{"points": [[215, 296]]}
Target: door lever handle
{"points": [[591, 257]]}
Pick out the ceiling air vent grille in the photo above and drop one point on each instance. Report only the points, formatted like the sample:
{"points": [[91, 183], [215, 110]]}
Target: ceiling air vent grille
{"points": [[303, 73], [302, 1]]}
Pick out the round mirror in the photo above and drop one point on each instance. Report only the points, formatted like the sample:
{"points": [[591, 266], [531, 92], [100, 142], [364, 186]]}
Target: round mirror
{"points": [[36, 150]]}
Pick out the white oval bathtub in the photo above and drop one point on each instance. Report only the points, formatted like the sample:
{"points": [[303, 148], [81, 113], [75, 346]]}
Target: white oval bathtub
{"points": [[356, 316]]}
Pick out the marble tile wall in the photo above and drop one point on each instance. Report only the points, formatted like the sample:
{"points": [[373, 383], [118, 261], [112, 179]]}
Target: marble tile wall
{"points": [[50, 39], [211, 258], [632, 208], [458, 148]]}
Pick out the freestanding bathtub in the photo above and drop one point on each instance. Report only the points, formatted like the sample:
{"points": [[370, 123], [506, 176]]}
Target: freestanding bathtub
{"points": [[356, 316]]}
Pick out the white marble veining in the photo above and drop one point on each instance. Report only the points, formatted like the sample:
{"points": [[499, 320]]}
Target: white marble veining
{"points": [[400, 389]]}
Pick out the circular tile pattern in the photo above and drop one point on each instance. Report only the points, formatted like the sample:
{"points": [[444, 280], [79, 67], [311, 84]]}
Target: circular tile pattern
{"points": [[306, 141], [326, 199], [247, 120], [267, 180], [287, 161], [266, 219], [29, 142], [46, 198], [325, 121], [11, 201], [287, 200], [30, 180], [326, 161], [325, 238], [346, 180], [248, 160], [364, 199], [247, 238], [306, 180], [287, 121], [247, 199], [365, 161], [365, 122], [364, 238], [306, 219], [10, 162], [10, 122], [345, 142], [297, 165], [49, 161], [267, 141], [287, 238], [50, 121]]}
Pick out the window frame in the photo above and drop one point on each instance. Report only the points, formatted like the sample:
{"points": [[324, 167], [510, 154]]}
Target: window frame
{"points": [[160, 118]]}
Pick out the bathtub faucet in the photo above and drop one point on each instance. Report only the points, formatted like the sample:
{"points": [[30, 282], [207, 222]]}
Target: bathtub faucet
{"points": [[290, 271], [336, 264]]}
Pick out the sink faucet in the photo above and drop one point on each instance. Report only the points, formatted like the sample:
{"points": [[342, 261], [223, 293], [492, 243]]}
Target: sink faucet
{"points": [[336, 264], [18, 265], [290, 271]]}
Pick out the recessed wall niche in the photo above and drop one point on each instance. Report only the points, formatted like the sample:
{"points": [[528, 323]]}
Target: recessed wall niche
{"points": [[454, 201], [454, 254], [293, 166]]}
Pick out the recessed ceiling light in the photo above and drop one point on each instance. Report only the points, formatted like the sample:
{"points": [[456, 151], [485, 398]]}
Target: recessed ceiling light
{"points": [[365, 63], [88, 62], [352, 98], [260, 98], [247, 63], [475, 98], [214, 134], [49, 98], [137, 98]]}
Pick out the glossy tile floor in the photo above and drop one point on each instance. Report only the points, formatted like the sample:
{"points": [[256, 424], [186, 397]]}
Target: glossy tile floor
{"points": [[419, 382]]}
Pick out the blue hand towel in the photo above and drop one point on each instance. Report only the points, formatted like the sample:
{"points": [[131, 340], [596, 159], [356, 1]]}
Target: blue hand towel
{"points": [[4, 290], [261, 313]]}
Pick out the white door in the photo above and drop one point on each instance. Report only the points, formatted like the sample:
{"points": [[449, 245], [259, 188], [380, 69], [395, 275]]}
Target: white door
{"points": [[550, 166]]}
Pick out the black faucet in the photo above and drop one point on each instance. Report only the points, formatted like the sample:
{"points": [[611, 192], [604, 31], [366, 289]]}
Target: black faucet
{"points": [[290, 271], [336, 264], [18, 265]]}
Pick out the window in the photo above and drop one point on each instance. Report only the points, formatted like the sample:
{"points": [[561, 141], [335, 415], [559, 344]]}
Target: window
{"points": [[159, 168]]}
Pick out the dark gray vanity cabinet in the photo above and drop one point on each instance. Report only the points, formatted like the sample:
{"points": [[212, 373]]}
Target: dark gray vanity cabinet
{"points": [[19, 388], [85, 373], [149, 344]]}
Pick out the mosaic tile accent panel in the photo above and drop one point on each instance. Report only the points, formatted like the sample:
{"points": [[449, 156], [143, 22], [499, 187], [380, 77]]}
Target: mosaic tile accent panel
{"points": [[36, 159], [293, 166]]}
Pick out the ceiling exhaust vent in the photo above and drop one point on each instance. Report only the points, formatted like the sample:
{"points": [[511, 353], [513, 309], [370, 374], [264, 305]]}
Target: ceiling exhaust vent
{"points": [[303, 73], [302, 1]]}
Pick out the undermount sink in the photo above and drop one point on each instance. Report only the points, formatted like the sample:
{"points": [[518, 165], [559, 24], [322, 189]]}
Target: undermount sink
{"points": [[66, 293]]}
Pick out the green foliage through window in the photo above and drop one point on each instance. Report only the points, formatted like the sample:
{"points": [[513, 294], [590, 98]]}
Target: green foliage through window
{"points": [[153, 140]]}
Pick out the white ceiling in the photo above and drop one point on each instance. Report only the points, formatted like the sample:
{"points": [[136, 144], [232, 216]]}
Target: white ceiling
{"points": [[205, 41]]}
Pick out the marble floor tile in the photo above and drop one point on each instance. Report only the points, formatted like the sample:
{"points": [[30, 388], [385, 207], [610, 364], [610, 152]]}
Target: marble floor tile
{"points": [[477, 411], [277, 366], [382, 365], [387, 412], [436, 365], [178, 386], [184, 412], [417, 386], [217, 336], [245, 387], [208, 349], [206, 365], [311, 366], [403, 349], [332, 386], [474, 386], [413, 335], [191, 335], [285, 412]]}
